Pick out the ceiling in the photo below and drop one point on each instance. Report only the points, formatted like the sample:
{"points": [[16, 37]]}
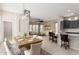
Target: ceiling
{"points": [[45, 11]]}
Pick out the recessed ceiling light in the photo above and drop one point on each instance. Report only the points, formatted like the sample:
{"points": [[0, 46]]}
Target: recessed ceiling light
{"points": [[72, 13], [76, 18], [69, 19], [68, 10]]}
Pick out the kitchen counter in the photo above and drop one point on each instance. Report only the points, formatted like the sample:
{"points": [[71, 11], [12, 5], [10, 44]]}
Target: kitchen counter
{"points": [[73, 34], [74, 41]]}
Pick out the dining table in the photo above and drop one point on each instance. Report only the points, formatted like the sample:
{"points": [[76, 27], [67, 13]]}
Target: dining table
{"points": [[26, 42]]}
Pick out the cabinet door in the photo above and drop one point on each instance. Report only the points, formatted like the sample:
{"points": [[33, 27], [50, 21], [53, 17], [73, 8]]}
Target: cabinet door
{"points": [[78, 23], [73, 24], [61, 25], [66, 24]]}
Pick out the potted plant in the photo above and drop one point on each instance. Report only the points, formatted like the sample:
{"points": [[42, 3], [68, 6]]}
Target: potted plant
{"points": [[25, 34]]}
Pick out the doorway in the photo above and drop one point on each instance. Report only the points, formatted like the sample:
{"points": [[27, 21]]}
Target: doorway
{"points": [[7, 30]]}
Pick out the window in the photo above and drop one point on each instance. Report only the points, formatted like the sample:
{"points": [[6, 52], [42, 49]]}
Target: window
{"points": [[41, 28], [34, 28], [30, 28], [37, 28]]}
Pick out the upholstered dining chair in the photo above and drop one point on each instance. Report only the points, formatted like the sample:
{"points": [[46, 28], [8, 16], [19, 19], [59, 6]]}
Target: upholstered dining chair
{"points": [[35, 49], [7, 48], [11, 48], [39, 37], [34, 36]]}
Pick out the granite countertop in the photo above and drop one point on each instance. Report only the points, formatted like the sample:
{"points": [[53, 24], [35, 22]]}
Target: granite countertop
{"points": [[72, 32]]}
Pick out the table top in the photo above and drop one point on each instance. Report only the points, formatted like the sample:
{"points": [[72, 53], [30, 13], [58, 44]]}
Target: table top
{"points": [[27, 41]]}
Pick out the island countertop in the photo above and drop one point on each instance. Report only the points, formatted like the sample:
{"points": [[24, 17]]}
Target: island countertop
{"points": [[73, 34], [74, 41]]}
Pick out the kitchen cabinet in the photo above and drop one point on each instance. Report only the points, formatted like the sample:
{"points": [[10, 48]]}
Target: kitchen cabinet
{"points": [[66, 24], [69, 24]]}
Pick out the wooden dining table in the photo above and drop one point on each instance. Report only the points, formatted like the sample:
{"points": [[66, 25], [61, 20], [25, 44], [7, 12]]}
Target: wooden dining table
{"points": [[26, 42]]}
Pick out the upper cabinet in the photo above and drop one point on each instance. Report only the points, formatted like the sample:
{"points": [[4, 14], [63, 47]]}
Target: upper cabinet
{"points": [[66, 24], [69, 24]]}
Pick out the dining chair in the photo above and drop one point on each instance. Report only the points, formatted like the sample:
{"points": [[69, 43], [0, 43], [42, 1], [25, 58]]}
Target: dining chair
{"points": [[34, 36], [35, 49], [50, 36], [40, 37], [7, 47], [53, 36], [11, 48]]}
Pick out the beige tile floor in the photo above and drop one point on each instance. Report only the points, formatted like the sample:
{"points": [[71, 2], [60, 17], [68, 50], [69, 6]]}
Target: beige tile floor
{"points": [[55, 49], [51, 48], [2, 50]]}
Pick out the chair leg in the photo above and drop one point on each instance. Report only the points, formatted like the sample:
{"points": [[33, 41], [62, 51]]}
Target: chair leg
{"points": [[68, 45], [52, 39], [65, 45], [55, 40], [61, 44]]}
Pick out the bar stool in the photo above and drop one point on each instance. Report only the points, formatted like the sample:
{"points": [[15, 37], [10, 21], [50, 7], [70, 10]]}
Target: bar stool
{"points": [[64, 41], [50, 36], [55, 40], [53, 37]]}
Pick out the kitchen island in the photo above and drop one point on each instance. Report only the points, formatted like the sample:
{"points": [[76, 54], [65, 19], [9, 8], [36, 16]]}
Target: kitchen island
{"points": [[74, 40]]}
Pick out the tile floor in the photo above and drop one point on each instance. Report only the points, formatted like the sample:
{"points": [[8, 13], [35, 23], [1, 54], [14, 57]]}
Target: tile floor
{"points": [[55, 49], [51, 48]]}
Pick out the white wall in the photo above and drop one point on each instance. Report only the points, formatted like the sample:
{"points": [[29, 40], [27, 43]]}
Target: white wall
{"points": [[9, 17], [1, 28], [24, 25], [12, 12], [17, 28]]}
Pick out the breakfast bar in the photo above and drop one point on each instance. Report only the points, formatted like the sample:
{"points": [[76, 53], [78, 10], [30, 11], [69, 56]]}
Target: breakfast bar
{"points": [[74, 41]]}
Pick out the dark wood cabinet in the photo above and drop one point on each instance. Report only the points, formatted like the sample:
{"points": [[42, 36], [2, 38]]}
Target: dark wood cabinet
{"points": [[66, 24], [61, 25], [74, 24], [70, 24]]}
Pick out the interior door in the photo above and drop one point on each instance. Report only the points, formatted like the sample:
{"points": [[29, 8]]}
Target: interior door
{"points": [[7, 30]]}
